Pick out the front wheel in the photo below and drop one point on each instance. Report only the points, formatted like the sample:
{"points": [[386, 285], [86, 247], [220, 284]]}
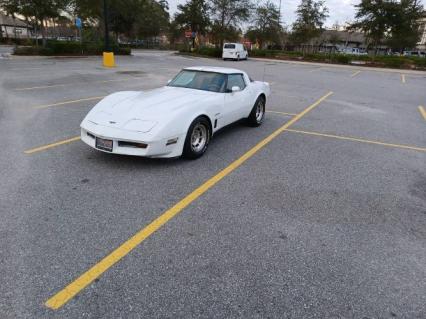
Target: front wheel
{"points": [[257, 114], [197, 138]]}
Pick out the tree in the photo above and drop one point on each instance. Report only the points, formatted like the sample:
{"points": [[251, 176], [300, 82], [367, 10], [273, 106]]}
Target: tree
{"points": [[311, 16], [372, 18], [133, 18], [38, 11], [266, 25], [193, 16], [227, 17], [389, 21], [152, 20], [404, 25]]}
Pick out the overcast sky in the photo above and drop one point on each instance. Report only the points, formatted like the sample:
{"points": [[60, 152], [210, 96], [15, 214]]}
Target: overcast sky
{"points": [[340, 10]]}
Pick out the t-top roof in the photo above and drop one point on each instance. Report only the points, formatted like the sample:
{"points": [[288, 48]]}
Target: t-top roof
{"points": [[214, 69]]}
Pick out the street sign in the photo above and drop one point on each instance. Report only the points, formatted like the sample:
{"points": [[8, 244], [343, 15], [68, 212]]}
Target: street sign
{"points": [[78, 23], [190, 34]]}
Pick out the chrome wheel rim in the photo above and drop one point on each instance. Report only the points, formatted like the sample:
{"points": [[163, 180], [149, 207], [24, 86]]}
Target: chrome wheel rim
{"points": [[199, 137], [260, 111]]}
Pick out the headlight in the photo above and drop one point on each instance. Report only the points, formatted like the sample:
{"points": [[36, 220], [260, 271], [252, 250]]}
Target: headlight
{"points": [[139, 126]]}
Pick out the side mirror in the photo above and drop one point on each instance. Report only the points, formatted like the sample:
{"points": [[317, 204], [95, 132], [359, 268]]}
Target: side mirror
{"points": [[235, 89], [168, 82]]}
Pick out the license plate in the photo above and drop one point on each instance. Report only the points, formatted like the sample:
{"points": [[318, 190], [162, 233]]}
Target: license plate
{"points": [[105, 145]]}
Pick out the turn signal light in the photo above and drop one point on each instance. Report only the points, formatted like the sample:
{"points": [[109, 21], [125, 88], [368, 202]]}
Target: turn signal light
{"points": [[172, 141]]}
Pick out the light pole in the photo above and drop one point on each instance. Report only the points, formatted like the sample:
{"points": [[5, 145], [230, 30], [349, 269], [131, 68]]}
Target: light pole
{"points": [[106, 41], [108, 55]]}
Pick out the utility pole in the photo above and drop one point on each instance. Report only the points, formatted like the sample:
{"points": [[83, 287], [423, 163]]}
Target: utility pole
{"points": [[107, 47], [280, 12]]}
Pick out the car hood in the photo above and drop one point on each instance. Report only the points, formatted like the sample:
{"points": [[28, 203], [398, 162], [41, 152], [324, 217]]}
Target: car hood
{"points": [[141, 111]]}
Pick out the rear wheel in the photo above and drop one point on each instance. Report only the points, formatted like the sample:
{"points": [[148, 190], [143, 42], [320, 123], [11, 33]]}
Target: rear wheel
{"points": [[257, 114], [197, 138]]}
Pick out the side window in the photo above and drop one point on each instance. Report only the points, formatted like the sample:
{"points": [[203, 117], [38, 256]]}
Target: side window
{"points": [[235, 80]]}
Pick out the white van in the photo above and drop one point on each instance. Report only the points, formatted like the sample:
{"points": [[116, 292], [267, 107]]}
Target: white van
{"points": [[234, 51]]}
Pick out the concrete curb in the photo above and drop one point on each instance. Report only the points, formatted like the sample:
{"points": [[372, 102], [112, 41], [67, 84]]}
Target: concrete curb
{"points": [[342, 66]]}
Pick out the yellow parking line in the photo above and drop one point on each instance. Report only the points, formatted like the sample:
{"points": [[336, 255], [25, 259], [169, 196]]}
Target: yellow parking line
{"points": [[69, 102], [422, 111], [403, 78], [74, 83], [284, 113], [315, 70], [45, 147], [355, 74], [26, 69], [72, 289], [40, 87], [415, 148]]}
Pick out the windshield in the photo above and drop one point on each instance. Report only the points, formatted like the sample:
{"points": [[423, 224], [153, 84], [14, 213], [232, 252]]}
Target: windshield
{"points": [[199, 80], [229, 46]]}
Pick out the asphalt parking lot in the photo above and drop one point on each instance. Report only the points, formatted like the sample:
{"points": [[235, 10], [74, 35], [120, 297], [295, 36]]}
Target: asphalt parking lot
{"points": [[326, 218]]}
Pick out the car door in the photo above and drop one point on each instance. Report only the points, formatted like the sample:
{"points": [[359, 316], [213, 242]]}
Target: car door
{"points": [[236, 103]]}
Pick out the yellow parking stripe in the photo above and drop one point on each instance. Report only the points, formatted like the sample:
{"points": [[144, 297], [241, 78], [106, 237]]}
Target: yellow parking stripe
{"points": [[415, 148], [422, 112], [316, 70], [70, 84], [355, 74], [72, 289], [69, 102], [45, 147], [283, 113]]}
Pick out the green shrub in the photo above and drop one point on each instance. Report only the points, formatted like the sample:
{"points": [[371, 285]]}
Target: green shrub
{"points": [[391, 61], [213, 52], [342, 58], [318, 57], [419, 62], [265, 53], [70, 48], [33, 51]]}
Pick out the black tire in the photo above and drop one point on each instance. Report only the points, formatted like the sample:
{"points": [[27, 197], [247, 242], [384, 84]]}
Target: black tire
{"points": [[190, 148], [257, 115]]}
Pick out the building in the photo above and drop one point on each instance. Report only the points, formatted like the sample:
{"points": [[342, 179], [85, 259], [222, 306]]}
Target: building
{"points": [[338, 38], [422, 44], [11, 28]]}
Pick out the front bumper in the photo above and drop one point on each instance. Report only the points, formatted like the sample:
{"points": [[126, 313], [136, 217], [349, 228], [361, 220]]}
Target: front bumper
{"points": [[155, 148]]}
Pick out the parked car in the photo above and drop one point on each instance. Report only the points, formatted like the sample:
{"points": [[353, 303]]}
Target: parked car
{"points": [[421, 54], [353, 51], [234, 51], [177, 119]]}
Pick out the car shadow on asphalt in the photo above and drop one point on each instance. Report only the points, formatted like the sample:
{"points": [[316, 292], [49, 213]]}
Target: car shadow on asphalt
{"points": [[228, 134]]}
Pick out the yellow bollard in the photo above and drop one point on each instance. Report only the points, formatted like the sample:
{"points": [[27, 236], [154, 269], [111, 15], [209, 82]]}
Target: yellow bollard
{"points": [[109, 59]]}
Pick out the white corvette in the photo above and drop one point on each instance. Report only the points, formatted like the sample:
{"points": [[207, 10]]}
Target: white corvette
{"points": [[178, 119]]}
